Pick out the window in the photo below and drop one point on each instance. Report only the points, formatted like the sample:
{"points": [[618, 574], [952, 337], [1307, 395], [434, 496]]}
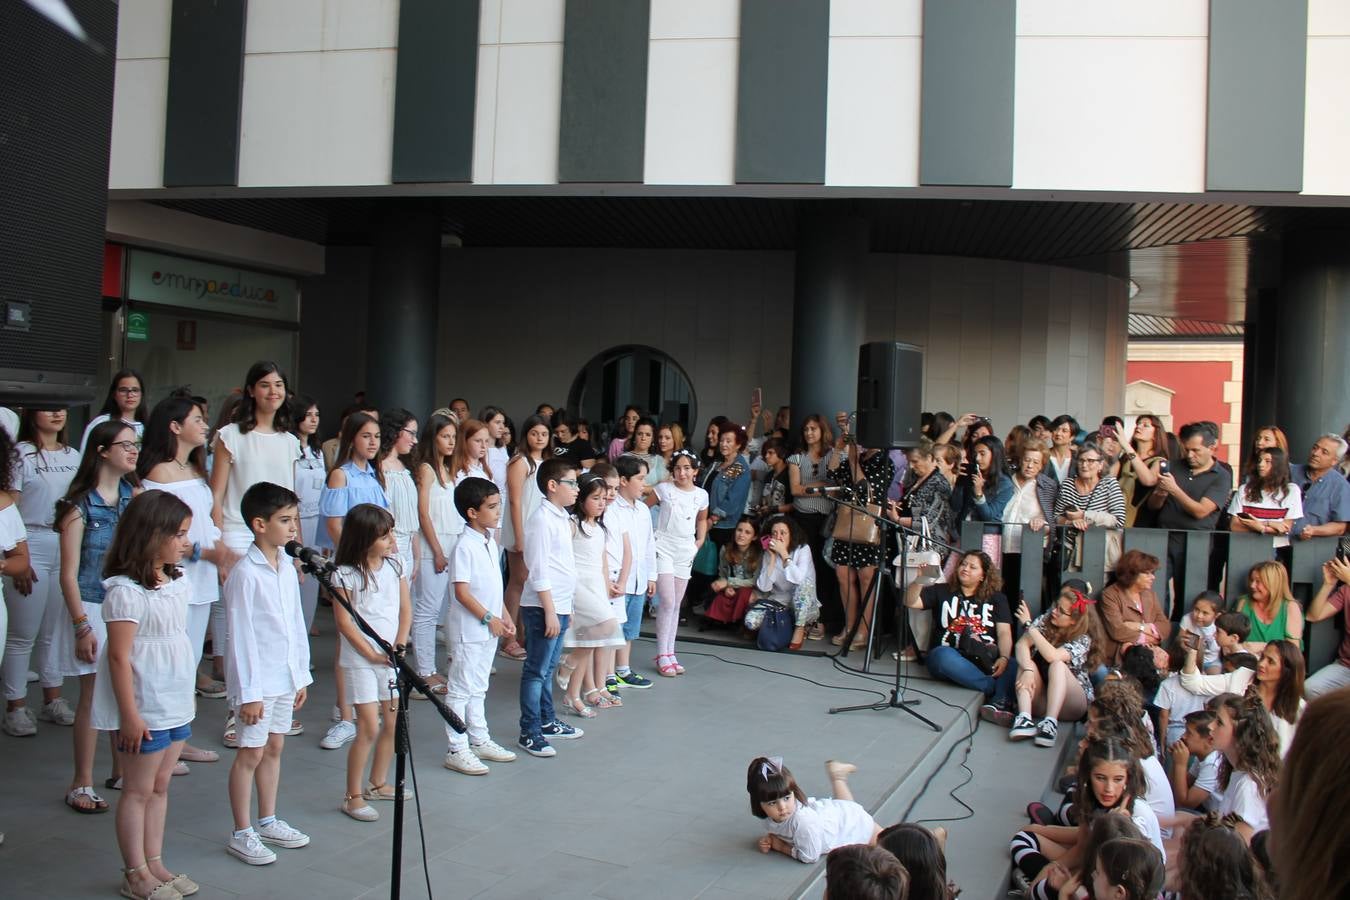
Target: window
{"points": [[632, 374]]}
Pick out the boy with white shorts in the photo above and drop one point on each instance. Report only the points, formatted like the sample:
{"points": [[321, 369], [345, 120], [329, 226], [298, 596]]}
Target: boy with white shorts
{"points": [[266, 668]]}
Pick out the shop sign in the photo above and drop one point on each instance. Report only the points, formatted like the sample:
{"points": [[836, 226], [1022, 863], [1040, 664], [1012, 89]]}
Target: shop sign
{"points": [[138, 326], [197, 284]]}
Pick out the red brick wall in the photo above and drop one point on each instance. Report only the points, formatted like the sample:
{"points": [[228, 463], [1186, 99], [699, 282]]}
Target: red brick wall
{"points": [[1198, 387]]}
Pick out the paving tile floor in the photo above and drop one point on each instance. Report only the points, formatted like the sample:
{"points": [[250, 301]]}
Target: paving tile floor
{"points": [[650, 804]]}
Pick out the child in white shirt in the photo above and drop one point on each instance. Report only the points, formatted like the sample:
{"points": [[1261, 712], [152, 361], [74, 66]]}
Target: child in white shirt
{"points": [[266, 668], [473, 625], [1201, 620], [806, 828]]}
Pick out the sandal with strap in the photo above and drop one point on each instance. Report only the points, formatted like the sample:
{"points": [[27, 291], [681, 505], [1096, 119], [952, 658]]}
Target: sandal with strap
{"points": [[666, 669], [679, 669], [180, 883], [513, 650], [566, 668], [86, 792], [578, 708], [384, 792], [161, 891], [363, 813], [600, 698]]}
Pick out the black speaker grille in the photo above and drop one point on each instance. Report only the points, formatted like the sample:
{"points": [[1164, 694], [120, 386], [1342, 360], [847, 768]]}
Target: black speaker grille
{"points": [[55, 128]]}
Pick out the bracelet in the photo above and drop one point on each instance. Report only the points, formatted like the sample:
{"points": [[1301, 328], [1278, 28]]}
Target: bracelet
{"points": [[83, 630], [82, 620]]}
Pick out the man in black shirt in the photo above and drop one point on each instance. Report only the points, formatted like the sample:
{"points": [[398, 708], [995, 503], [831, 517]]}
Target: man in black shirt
{"points": [[1191, 499]]}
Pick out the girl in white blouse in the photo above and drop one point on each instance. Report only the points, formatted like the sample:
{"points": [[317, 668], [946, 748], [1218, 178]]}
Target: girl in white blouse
{"points": [[398, 436], [802, 827], [441, 527], [310, 475], [143, 691]]}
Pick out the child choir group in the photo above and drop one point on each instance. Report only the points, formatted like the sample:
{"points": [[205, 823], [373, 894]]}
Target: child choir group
{"points": [[155, 531]]}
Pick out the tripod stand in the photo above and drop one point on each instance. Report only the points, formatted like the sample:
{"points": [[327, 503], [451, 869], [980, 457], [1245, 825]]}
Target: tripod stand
{"points": [[406, 680], [873, 596]]}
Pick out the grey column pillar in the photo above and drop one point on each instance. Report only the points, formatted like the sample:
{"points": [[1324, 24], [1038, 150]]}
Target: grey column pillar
{"points": [[1313, 364], [1259, 366], [404, 302], [829, 313]]}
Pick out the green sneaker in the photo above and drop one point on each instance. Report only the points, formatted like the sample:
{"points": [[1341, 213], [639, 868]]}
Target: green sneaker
{"points": [[612, 685], [632, 679]]}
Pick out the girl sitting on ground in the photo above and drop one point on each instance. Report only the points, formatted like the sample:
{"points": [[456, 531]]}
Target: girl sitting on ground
{"points": [[737, 569], [806, 828]]}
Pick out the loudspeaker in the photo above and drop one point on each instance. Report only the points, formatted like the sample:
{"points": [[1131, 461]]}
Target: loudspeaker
{"points": [[890, 394]]}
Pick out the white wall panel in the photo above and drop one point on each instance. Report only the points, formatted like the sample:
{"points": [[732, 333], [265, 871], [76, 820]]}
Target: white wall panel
{"points": [[140, 96], [872, 119], [1326, 129], [1110, 114], [280, 26], [1138, 18], [485, 113], [876, 18], [695, 19], [358, 24], [691, 112], [529, 95], [532, 21], [317, 118], [489, 22], [143, 29], [1328, 17]]}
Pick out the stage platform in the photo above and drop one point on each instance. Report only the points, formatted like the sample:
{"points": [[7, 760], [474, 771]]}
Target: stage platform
{"points": [[649, 804]]}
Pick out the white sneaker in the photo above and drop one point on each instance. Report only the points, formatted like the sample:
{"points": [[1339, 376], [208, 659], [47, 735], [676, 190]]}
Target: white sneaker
{"points": [[19, 723], [492, 752], [465, 762], [250, 849], [32, 677], [338, 736], [58, 712], [281, 834]]}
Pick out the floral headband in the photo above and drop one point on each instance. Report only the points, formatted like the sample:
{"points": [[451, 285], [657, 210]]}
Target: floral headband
{"points": [[687, 454]]}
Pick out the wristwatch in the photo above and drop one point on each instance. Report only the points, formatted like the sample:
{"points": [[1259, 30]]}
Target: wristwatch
{"points": [[487, 617]]}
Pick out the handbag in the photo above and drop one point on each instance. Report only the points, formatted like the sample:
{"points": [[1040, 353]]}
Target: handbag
{"points": [[856, 527], [705, 560], [920, 552], [972, 644], [775, 633]]}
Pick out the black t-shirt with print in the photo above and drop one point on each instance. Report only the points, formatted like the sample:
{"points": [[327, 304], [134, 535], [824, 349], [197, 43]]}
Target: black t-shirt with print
{"points": [[574, 452], [953, 610]]}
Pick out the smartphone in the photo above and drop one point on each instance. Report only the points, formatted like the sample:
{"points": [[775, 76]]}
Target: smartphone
{"points": [[1341, 553], [757, 398], [764, 541], [1162, 467]]}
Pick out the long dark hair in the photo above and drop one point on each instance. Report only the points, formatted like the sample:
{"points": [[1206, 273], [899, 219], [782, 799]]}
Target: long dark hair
{"points": [[246, 413], [150, 519], [1256, 746], [159, 443], [1289, 689], [1276, 483], [1217, 864], [28, 430], [1108, 750], [354, 423], [997, 464], [918, 851], [110, 407], [487, 414], [392, 422], [523, 443], [300, 405], [588, 484], [8, 456], [364, 525], [86, 476], [425, 452]]}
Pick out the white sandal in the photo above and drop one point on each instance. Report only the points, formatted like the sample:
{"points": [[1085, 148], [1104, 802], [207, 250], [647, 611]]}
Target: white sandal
{"points": [[363, 813]]}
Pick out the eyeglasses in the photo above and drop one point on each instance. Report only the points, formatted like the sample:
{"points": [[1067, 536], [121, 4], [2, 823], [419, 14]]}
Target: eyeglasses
{"points": [[128, 391], [408, 431], [570, 482], [1088, 459], [127, 446]]}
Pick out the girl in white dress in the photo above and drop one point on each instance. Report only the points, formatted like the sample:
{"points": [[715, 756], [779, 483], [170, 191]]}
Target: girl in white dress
{"points": [[145, 679], [441, 527], [522, 499], [680, 531], [310, 474], [593, 623], [806, 828], [173, 459], [398, 436], [370, 576]]}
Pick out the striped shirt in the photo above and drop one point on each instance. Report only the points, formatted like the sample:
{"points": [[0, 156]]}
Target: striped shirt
{"points": [[1105, 497]]}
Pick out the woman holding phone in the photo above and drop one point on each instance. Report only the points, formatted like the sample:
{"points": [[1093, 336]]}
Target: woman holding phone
{"points": [[1268, 503]]}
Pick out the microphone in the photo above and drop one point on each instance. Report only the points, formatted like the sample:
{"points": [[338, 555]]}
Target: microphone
{"points": [[309, 556], [826, 489]]}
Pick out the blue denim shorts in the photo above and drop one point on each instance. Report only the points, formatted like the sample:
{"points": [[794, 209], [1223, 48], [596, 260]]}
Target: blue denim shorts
{"points": [[159, 740], [633, 626]]}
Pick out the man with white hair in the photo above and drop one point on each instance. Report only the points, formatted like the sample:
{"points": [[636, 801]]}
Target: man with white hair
{"points": [[1326, 493]]}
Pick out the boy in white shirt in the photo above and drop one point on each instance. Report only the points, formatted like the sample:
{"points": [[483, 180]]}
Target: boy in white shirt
{"points": [[473, 624], [266, 668], [629, 515], [546, 605]]}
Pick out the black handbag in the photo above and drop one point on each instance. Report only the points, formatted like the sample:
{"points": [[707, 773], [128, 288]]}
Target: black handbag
{"points": [[776, 631], [974, 645]]}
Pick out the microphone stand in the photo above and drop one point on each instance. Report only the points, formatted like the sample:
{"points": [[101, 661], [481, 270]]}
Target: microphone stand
{"points": [[406, 680], [896, 699]]}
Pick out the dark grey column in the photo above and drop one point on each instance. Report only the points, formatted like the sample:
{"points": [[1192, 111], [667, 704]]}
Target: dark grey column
{"points": [[206, 92], [829, 314], [434, 90], [1313, 364], [404, 299], [1259, 353]]}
